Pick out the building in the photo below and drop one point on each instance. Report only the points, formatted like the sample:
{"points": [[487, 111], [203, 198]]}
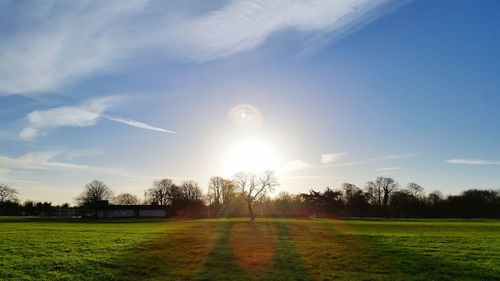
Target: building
{"points": [[129, 211]]}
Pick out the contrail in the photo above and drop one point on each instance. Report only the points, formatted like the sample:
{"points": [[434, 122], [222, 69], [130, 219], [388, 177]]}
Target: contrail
{"points": [[135, 123]]}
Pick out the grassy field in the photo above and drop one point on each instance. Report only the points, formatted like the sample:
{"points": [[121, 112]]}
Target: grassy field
{"points": [[236, 249]]}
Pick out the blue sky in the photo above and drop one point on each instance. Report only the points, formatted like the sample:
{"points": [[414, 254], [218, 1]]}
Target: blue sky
{"points": [[335, 91]]}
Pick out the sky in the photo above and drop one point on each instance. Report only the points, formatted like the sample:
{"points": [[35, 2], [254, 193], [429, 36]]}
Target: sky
{"points": [[322, 92]]}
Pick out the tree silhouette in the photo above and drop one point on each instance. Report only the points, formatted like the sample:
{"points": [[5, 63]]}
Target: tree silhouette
{"points": [[7, 194], [253, 188], [191, 191], [415, 189], [314, 199], [380, 190], [95, 193], [159, 193], [355, 200], [163, 192], [221, 192], [126, 199], [333, 203]]}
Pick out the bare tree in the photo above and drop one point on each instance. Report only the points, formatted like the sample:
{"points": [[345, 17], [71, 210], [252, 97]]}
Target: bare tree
{"points": [[95, 192], [374, 194], [253, 188], [220, 194], [191, 191], [126, 199], [415, 190], [7, 193], [380, 190], [158, 194], [163, 192]]}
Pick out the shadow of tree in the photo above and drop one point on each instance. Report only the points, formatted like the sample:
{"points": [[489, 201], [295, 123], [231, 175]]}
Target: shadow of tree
{"points": [[407, 259], [328, 255], [423, 265], [222, 263], [253, 244], [287, 263], [176, 253]]}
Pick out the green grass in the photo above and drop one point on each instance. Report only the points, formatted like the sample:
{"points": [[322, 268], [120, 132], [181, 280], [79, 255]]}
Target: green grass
{"points": [[236, 249]]}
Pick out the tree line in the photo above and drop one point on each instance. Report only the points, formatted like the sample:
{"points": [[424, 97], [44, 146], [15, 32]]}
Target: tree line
{"points": [[249, 194]]}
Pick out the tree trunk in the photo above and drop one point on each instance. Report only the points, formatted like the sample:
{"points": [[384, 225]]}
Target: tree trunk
{"points": [[386, 203], [250, 211]]}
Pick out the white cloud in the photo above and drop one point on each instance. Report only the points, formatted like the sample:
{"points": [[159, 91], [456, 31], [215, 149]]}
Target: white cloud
{"points": [[82, 115], [332, 157], [388, 169], [472, 162], [60, 41], [46, 175], [394, 157], [329, 160], [28, 133], [375, 159], [43, 160], [296, 165], [51, 175], [310, 178], [63, 41], [244, 25]]}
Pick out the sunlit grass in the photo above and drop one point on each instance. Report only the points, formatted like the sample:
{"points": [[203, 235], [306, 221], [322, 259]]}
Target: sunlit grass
{"points": [[253, 244], [237, 249]]}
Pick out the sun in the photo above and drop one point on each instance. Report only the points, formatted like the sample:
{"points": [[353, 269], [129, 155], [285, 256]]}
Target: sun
{"points": [[252, 155]]}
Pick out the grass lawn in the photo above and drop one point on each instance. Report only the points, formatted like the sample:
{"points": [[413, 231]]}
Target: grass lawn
{"points": [[236, 249]]}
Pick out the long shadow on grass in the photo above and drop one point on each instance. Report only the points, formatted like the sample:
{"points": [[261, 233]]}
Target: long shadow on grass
{"points": [[287, 264], [254, 244], [330, 256], [175, 253], [222, 264], [405, 263]]}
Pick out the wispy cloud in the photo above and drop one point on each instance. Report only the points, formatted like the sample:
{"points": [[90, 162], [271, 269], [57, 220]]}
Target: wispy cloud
{"points": [[44, 160], [82, 115], [388, 169], [244, 25], [63, 41], [472, 162], [137, 124], [332, 157], [310, 177], [371, 160], [296, 165], [333, 160], [59, 42]]}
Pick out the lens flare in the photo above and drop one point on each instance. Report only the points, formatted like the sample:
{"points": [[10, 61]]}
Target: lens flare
{"points": [[245, 116]]}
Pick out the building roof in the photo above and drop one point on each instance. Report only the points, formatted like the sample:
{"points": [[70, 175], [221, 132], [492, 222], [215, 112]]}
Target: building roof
{"points": [[133, 207]]}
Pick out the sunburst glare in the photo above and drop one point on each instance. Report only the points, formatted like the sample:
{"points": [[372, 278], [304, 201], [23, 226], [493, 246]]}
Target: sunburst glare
{"points": [[251, 155]]}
